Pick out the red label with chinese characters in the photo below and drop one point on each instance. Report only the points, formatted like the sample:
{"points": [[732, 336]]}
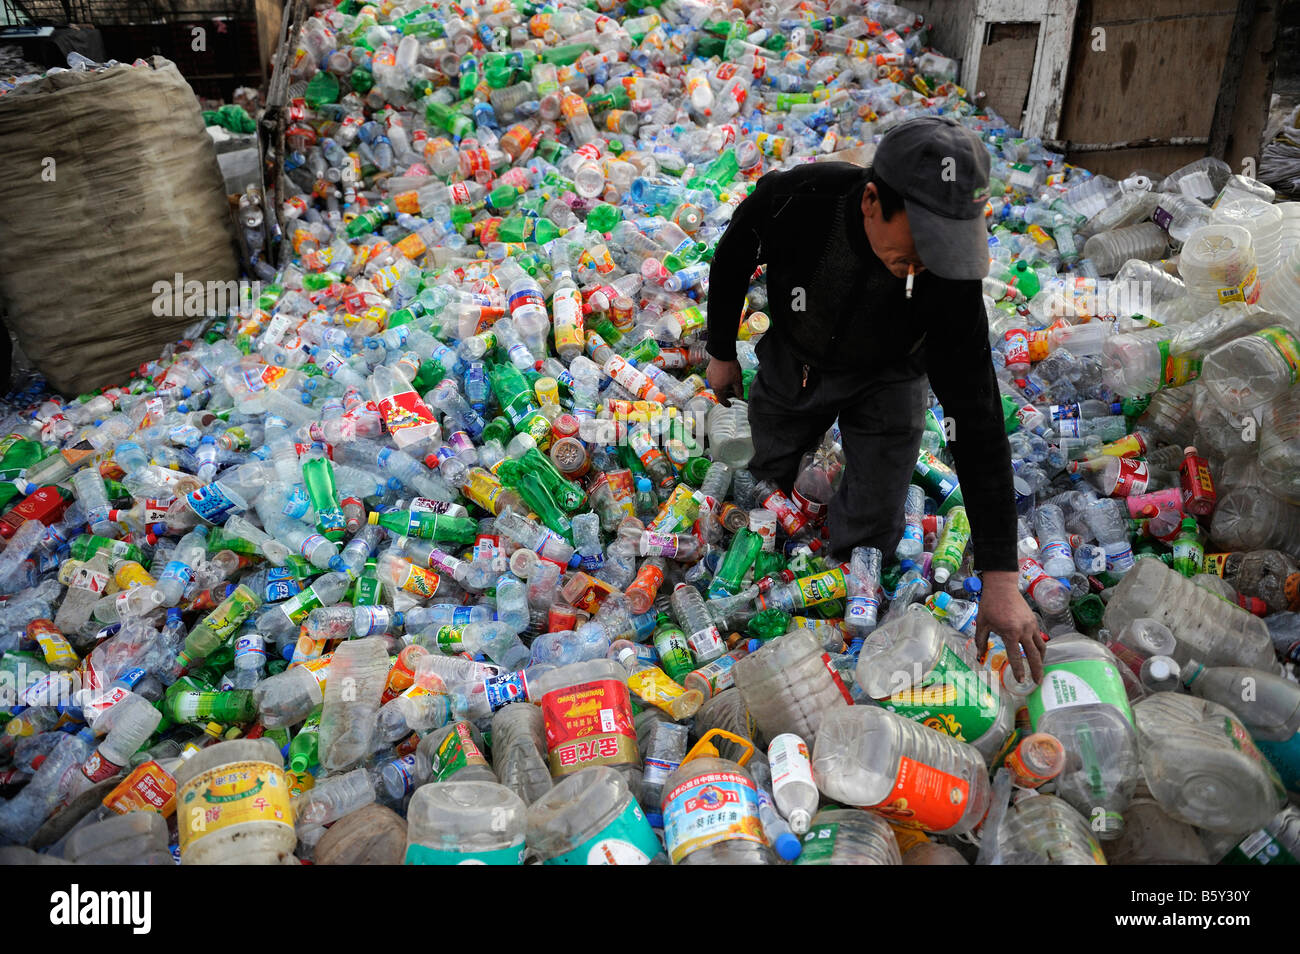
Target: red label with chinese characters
{"points": [[589, 724]]}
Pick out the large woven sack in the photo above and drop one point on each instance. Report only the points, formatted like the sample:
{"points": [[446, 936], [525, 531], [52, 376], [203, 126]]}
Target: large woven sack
{"points": [[136, 199]]}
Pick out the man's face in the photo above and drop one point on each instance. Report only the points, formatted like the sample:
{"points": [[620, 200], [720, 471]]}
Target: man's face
{"points": [[891, 240]]}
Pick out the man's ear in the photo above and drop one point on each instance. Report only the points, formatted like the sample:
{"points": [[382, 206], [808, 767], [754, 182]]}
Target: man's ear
{"points": [[870, 197]]}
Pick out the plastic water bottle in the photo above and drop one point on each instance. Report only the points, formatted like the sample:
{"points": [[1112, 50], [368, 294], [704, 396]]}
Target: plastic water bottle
{"points": [[518, 751], [921, 669], [358, 672], [1267, 705], [788, 685], [872, 758], [792, 781], [1203, 766], [1082, 703], [843, 837]]}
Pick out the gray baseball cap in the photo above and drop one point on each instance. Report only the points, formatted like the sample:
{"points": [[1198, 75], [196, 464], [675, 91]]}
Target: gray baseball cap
{"points": [[941, 169]]}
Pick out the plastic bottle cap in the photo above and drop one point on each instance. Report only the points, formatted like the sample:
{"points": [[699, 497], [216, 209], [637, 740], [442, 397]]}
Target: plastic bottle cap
{"points": [[799, 820], [373, 518], [788, 846], [1160, 668], [941, 574]]}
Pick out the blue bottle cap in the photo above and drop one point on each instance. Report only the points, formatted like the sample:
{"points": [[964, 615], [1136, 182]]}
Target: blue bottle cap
{"points": [[788, 846], [643, 483], [575, 561], [173, 615], [974, 585]]}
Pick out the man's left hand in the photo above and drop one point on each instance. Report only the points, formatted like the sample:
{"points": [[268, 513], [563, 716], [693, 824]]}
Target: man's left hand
{"points": [[1004, 611]]}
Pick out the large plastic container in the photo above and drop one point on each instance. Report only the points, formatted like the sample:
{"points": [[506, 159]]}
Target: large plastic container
{"points": [[233, 807]]}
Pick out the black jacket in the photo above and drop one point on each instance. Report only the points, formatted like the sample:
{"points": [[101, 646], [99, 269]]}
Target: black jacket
{"points": [[835, 307]]}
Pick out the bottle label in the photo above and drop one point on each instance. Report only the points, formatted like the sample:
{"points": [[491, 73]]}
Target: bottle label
{"points": [[281, 584], [421, 582], [627, 840], [924, 797], [1285, 758], [789, 760], [210, 503], [1261, 848], [449, 639], [589, 724], [1132, 479], [822, 587], [835, 677], [148, 787], [674, 652], [658, 544], [1243, 743], [404, 411], [707, 643], [233, 795], [457, 751], [818, 844], [1287, 345], [1056, 549], [861, 611], [506, 688], [718, 674], [424, 855], [372, 620], [657, 770], [300, 607], [710, 808], [787, 514], [1078, 683], [951, 698]]}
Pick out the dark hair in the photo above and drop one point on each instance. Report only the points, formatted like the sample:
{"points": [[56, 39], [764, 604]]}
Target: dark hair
{"points": [[890, 200]]}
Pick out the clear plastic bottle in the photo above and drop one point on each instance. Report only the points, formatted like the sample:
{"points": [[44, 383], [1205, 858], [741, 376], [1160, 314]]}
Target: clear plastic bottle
{"points": [[1267, 705], [358, 673], [872, 758], [1253, 370], [1045, 830], [793, 788], [1215, 631], [465, 822], [1083, 703], [518, 751], [788, 686], [136, 838], [1202, 765], [839, 836], [919, 668]]}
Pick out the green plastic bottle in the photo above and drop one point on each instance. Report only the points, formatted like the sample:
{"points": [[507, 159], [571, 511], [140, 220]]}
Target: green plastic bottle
{"points": [[745, 546], [186, 702], [439, 527], [1189, 552]]}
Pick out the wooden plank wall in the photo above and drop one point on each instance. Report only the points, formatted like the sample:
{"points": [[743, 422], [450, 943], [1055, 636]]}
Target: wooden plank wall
{"points": [[1158, 77]]}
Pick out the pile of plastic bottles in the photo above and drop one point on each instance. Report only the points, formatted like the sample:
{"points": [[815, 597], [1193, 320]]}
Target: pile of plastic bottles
{"points": [[439, 549]]}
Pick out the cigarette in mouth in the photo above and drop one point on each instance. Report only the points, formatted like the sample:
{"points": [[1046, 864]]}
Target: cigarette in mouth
{"points": [[911, 274]]}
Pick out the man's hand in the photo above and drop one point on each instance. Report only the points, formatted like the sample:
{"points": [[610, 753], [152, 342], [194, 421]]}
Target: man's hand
{"points": [[1004, 611], [725, 380]]}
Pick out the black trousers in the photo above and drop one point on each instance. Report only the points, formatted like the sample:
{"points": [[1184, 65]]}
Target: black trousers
{"points": [[790, 409]]}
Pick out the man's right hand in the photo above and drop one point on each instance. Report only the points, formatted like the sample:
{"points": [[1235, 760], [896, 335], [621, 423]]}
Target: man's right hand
{"points": [[725, 380]]}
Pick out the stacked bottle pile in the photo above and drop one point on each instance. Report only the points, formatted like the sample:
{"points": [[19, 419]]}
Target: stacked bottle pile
{"points": [[441, 531]]}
